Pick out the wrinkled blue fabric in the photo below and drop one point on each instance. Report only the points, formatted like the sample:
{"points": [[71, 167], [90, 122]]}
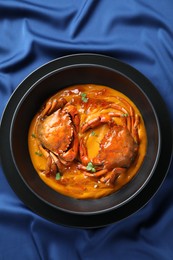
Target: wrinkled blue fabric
{"points": [[137, 32]]}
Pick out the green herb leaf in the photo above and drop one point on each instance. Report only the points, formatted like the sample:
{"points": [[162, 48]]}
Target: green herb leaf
{"points": [[90, 167], [83, 94], [58, 176], [33, 135], [125, 115], [38, 153], [93, 133], [84, 97]]}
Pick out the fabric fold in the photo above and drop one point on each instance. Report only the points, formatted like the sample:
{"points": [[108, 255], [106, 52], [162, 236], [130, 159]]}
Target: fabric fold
{"points": [[136, 32]]}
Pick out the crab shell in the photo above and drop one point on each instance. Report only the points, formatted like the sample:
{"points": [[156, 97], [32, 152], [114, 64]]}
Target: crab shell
{"points": [[117, 149], [55, 131]]}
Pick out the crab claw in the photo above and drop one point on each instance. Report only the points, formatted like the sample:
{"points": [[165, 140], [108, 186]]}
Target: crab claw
{"points": [[51, 165], [53, 105], [113, 175], [83, 155], [102, 119], [72, 110], [71, 154]]}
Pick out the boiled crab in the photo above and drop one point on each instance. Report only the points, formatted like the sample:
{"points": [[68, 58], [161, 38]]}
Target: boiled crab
{"points": [[57, 132], [118, 148]]}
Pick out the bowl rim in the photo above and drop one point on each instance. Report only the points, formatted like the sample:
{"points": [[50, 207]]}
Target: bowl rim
{"points": [[135, 76], [133, 194]]}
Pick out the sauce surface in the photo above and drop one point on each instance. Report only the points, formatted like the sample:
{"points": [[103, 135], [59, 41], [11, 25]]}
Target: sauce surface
{"points": [[87, 141]]}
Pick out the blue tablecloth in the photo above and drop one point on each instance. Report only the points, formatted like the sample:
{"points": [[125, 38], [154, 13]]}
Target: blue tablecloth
{"points": [[137, 32]]}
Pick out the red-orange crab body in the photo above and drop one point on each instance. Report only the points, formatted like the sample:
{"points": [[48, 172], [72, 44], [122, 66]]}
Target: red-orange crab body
{"points": [[119, 147], [57, 133], [116, 153]]}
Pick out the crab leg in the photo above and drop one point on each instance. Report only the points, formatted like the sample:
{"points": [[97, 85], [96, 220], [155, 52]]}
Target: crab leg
{"points": [[57, 161], [70, 109], [130, 112], [113, 175], [108, 178], [71, 154], [53, 105], [96, 174], [83, 155], [134, 120], [103, 118], [51, 165], [126, 115], [135, 128]]}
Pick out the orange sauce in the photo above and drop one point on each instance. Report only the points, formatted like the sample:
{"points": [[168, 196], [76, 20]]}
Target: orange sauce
{"points": [[73, 182]]}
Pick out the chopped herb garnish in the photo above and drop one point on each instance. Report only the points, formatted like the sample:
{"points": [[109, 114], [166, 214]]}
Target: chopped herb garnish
{"points": [[90, 167], [84, 97], [93, 133], [58, 176], [33, 135], [38, 153], [125, 115]]}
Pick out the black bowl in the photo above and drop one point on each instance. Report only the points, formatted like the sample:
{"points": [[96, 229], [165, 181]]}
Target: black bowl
{"points": [[25, 102]]}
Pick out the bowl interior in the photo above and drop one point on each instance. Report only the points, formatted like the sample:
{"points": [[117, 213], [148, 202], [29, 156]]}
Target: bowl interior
{"points": [[49, 85]]}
